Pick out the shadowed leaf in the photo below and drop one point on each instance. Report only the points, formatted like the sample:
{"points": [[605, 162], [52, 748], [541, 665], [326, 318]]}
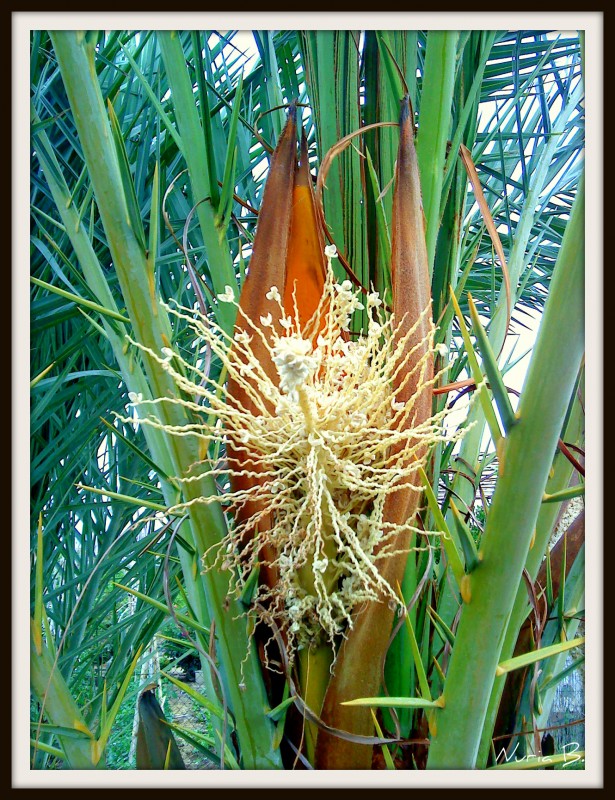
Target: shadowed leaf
{"points": [[156, 747]]}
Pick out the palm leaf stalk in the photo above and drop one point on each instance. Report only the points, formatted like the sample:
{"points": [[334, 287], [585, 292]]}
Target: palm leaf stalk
{"points": [[77, 533], [522, 480], [435, 117], [562, 474], [75, 56], [81, 239], [87, 615], [449, 112]]}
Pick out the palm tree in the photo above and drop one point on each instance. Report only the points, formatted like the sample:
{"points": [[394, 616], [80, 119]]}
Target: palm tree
{"points": [[150, 156]]}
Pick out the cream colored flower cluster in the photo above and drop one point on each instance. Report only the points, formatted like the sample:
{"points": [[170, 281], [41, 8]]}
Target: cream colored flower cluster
{"points": [[325, 446]]}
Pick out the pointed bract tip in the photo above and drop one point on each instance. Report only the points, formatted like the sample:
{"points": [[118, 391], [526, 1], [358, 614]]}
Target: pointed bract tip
{"points": [[304, 160], [292, 110], [405, 109]]}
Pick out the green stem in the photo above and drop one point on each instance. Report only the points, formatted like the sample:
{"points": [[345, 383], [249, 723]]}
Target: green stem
{"points": [[195, 153], [133, 375], [315, 662], [524, 469], [239, 661], [434, 129], [314, 674], [562, 471]]}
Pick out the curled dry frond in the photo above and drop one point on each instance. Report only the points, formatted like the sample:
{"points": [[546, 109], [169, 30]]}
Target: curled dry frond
{"points": [[327, 441]]}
